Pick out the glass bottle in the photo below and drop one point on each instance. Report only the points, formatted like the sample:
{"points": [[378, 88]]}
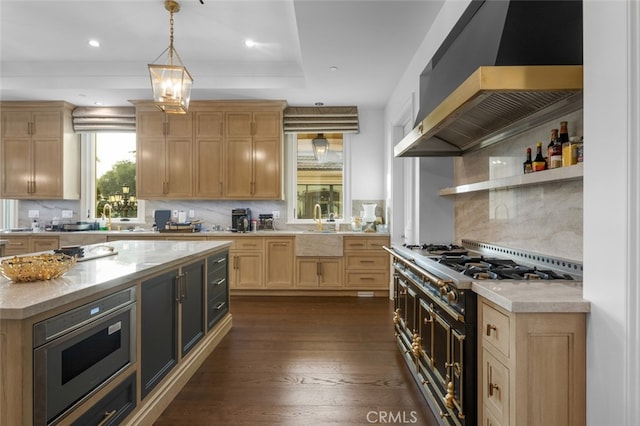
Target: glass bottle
{"points": [[528, 164], [539, 162], [555, 150]]}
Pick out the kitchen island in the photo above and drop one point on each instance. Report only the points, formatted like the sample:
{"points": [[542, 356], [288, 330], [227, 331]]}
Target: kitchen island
{"points": [[175, 313]]}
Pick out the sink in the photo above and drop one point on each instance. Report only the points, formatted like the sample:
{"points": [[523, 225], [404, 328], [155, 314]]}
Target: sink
{"points": [[319, 243]]}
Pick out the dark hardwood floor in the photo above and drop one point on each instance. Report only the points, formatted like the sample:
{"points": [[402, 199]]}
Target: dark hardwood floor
{"points": [[303, 361]]}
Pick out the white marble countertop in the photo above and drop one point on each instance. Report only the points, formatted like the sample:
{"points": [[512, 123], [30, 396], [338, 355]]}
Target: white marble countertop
{"points": [[135, 259], [147, 232], [534, 296]]}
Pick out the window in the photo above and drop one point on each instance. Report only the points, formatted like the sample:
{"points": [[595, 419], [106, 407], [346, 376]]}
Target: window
{"points": [[111, 168], [317, 178]]}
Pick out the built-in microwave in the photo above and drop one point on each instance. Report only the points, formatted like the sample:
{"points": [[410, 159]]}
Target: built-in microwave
{"points": [[77, 352]]}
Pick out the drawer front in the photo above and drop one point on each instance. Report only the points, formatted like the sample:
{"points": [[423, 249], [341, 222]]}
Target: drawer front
{"points": [[17, 246], [114, 407], [365, 243], [248, 243], [495, 328], [216, 309], [217, 262], [216, 286], [368, 280], [368, 261], [495, 387], [488, 419]]}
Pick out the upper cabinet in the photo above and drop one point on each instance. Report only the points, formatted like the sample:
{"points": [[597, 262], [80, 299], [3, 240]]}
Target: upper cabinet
{"points": [[164, 155], [39, 152], [218, 150], [493, 104]]}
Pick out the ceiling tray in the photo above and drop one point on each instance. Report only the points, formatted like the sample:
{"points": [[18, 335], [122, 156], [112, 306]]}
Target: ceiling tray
{"points": [[494, 103]]}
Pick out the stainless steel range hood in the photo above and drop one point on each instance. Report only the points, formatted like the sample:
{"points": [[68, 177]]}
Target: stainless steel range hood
{"points": [[495, 102]]}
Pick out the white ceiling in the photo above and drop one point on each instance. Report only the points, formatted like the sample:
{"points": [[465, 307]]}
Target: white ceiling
{"points": [[45, 55]]}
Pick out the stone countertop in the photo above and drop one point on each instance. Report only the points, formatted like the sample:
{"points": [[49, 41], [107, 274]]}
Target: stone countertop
{"points": [[135, 260], [534, 296], [262, 233]]}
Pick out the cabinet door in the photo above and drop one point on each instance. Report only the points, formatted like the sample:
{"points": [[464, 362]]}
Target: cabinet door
{"points": [[150, 173], [47, 168], [267, 176], [208, 159], [16, 124], [246, 272], [238, 181], [208, 155], [279, 263], [192, 305], [159, 329], [306, 272], [16, 167], [179, 168], [47, 124], [331, 271]]}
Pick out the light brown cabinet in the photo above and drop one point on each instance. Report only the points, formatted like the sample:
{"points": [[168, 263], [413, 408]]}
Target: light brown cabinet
{"points": [[19, 245], [246, 259], [254, 142], [164, 156], [366, 264], [209, 154], [279, 265], [39, 153], [218, 150], [319, 272], [532, 367]]}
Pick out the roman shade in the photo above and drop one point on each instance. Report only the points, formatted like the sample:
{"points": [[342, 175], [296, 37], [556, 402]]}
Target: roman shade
{"points": [[94, 119], [321, 119]]}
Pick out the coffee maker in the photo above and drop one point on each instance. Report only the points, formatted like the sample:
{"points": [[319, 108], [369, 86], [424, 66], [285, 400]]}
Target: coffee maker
{"points": [[241, 220]]}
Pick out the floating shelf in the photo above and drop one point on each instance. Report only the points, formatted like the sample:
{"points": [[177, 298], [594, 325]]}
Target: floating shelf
{"points": [[574, 172]]}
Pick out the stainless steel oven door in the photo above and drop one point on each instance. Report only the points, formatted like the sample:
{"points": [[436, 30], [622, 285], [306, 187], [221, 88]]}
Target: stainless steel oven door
{"points": [[75, 364]]}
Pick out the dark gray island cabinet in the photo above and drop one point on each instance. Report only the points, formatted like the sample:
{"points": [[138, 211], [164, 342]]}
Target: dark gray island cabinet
{"points": [[166, 302]]}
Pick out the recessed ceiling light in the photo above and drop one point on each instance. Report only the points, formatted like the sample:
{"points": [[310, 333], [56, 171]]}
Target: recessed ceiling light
{"points": [[94, 43], [249, 42], [333, 68], [319, 104]]}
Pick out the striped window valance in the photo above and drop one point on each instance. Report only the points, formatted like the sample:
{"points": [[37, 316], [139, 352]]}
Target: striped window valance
{"points": [[94, 119], [321, 119]]}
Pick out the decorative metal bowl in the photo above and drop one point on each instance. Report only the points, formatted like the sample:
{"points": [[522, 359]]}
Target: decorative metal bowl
{"points": [[22, 269]]}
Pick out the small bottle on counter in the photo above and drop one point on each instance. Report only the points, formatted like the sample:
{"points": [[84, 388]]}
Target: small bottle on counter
{"points": [[539, 162], [528, 164]]}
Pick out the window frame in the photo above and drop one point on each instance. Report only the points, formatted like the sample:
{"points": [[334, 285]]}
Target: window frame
{"points": [[88, 187], [291, 168]]}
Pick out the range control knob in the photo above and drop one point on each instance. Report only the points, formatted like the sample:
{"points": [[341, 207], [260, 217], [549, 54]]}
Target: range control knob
{"points": [[452, 296]]}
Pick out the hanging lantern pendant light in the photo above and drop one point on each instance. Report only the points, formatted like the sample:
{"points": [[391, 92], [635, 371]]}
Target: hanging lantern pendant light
{"points": [[171, 82]]}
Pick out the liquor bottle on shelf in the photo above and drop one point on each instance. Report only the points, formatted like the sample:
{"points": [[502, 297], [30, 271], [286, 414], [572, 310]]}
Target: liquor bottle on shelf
{"points": [[528, 164], [539, 163], [564, 132], [554, 150]]}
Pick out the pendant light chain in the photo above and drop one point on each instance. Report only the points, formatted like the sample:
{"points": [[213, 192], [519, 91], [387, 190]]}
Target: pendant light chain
{"points": [[171, 36]]}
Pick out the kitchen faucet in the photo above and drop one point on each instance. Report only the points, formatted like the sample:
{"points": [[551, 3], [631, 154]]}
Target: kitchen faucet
{"points": [[109, 218], [317, 216]]}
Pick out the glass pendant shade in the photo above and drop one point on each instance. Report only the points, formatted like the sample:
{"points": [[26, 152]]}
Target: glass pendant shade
{"points": [[171, 86], [320, 148]]}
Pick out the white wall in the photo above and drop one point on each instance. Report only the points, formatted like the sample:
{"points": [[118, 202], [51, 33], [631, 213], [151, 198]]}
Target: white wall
{"points": [[367, 156], [611, 211]]}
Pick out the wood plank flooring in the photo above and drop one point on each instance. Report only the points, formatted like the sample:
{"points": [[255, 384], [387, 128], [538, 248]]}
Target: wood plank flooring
{"points": [[303, 361]]}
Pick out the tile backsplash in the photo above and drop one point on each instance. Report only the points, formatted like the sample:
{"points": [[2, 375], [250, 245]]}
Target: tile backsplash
{"points": [[544, 218]]}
